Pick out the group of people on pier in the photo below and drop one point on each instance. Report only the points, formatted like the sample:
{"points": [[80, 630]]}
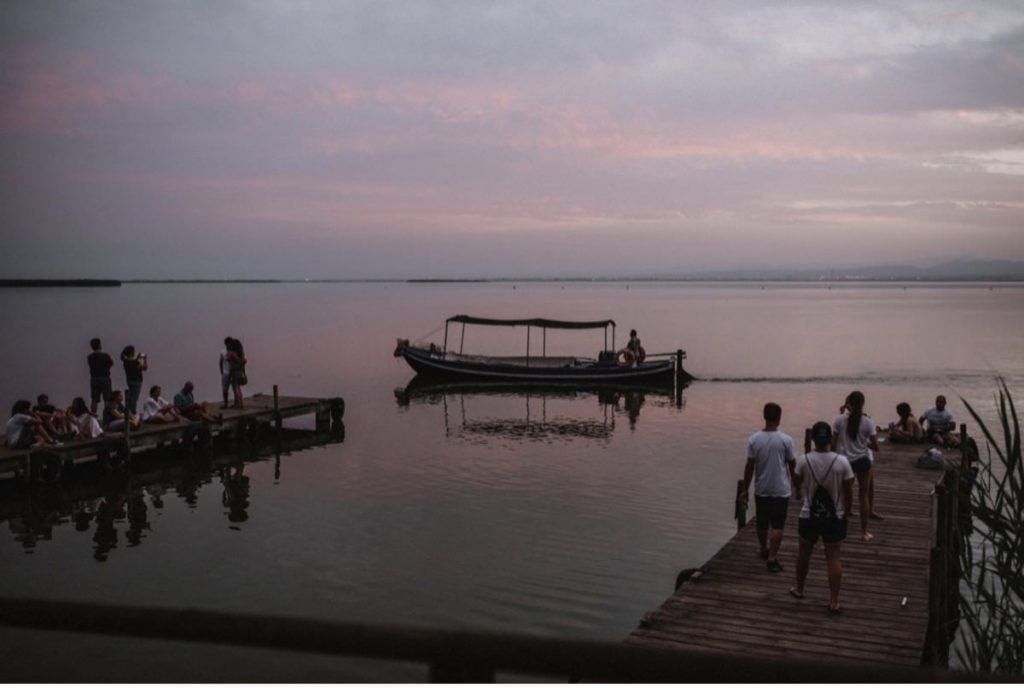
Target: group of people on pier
{"points": [[843, 452], [46, 424]]}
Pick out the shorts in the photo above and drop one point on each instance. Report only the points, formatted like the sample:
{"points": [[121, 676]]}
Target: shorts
{"points": [[830, 530], [100, 387], [771, 512], [861, 465]]}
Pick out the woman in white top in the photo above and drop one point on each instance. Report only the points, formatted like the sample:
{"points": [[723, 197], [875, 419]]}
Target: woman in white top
{"points": [[854, 435]]}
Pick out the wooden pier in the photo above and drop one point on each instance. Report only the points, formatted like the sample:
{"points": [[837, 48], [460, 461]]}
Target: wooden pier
{"points": [[895, 591], [259, 409]]}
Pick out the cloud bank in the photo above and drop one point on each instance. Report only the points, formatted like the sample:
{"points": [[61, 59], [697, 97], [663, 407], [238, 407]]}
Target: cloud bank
{"points": [[415, 139]]}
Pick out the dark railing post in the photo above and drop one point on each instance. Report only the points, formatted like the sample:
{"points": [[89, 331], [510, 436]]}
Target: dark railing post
{"points": [[740, 512], [277, 412]]}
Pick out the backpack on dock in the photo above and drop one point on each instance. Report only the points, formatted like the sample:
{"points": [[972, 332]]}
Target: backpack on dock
{"points": [[823, 507]]}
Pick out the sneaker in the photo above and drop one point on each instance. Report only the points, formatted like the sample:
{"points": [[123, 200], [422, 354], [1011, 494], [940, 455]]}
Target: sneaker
{"points": [[774, 566]]}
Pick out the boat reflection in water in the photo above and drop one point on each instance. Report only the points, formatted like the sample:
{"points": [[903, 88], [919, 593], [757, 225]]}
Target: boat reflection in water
{"points": [[116, 503], [532, 419]]}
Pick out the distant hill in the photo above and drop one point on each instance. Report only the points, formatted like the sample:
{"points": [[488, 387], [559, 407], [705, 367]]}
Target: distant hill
{"points": [[955, 270]]}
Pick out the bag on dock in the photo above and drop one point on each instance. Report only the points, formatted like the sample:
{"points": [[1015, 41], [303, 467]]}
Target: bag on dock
{"points": [[931, 459]]}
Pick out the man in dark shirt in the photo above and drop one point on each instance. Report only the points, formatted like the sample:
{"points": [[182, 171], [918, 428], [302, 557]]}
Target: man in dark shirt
{"points": [[100, 364], [54, 420]]}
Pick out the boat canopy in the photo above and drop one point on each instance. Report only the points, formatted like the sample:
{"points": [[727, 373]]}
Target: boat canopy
{"points": [[535, 322]]}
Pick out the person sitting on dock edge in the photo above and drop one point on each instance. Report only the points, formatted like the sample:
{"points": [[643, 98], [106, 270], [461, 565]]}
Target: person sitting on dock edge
{"points": [[100, 364], [157, 410], [828, 479], [24, 429], [86, 425], [906, 430], [56, 422], [771, 456], [115, 415], [938, 422], [185, 402]]}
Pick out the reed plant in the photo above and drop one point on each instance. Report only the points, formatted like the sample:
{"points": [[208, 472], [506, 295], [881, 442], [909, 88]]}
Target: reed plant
{"points": [[992, 558]]}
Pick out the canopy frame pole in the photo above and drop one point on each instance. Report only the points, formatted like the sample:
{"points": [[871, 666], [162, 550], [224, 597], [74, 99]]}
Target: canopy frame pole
{"points": [[462, 341], [544, 340], [613, 337], [445, 350]]}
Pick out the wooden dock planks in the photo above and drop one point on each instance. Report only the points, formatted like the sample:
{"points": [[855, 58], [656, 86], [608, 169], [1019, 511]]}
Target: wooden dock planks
{"points": [[737, 606], [257, 408]]}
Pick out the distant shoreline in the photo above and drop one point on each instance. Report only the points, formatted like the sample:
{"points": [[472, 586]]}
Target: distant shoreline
{"points": [[90, 283]]}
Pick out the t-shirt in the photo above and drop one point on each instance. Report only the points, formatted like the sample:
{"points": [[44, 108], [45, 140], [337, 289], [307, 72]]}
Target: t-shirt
{"points": [[184, 399], [771, 450], [88, 426], [830, 480], [225, 364], [132, 370], [100, 364], [15, 426], [46, 408], [152, 407], [855, 447], [937, 419], [108, 413]]}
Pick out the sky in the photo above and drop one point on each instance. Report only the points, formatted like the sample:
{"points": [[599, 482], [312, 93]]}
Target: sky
{"points": [[350, 139]]}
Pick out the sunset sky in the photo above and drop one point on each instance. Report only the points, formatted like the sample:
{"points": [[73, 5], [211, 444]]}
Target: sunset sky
{"points": [[145, 139]]}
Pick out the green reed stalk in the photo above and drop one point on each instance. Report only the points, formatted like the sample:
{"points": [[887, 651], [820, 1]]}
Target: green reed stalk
{"points": [[992, 560]]}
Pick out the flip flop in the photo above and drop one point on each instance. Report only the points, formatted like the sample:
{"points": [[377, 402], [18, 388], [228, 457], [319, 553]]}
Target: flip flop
{"points": [[835, 611], [866, 537], [795, 593]]}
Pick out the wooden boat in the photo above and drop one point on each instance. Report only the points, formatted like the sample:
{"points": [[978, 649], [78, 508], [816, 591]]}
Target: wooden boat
{"points": [[608, 366]]}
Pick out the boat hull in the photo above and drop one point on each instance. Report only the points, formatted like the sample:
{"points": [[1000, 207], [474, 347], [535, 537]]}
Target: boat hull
{"points": [[433, 364]]}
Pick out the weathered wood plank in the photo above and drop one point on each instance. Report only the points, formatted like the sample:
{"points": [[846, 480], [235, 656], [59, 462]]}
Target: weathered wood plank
{"points": [[738, 606]]}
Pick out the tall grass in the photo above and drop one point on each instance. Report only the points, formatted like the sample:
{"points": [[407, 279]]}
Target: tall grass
{"points": [[992, 560]]}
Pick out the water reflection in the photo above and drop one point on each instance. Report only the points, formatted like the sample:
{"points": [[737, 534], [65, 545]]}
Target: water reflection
{"points": [[536, 411], [116, 505]]}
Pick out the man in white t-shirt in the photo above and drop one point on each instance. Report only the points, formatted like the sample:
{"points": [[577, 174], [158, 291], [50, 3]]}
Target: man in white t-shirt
{"points": [[823, 515], [939, 424], [770, 458]]}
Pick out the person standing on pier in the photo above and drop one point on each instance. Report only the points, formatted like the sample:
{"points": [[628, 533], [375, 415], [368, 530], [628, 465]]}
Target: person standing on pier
{"points": [[133, 368], [225, 371], [236, 363], [828, 480], [854, 435], [100, 364], [771, 457]]}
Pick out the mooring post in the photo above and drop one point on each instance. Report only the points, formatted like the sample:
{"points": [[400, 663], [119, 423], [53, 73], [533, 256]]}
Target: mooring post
{"points": [[127, 429], [740, 512], [679, 378], [277, 412]]}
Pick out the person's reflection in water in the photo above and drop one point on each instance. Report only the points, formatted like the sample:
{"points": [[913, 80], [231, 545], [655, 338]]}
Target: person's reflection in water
{"points": [[188, 488], [82, 513], [105, 537], [633, 401], [156, 493], [137, 522], [236, 494]]}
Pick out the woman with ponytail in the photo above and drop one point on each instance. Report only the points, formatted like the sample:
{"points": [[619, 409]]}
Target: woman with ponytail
{"points": [[854, 435]]}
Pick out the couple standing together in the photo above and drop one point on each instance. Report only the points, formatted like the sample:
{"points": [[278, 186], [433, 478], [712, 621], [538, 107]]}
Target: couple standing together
{"points": [[826, 479]]}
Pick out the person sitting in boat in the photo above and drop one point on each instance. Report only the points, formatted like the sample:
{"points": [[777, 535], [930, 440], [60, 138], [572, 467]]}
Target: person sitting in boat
{"points": [[633, 352]]}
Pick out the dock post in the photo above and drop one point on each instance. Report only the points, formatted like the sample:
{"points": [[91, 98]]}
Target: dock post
{"points": [[277, 412], [740, 512], [127, 431], [679, 378]]}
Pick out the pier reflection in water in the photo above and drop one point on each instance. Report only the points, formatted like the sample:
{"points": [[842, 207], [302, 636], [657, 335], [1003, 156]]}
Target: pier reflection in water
{"points": [[115, 504], [531, 418]]}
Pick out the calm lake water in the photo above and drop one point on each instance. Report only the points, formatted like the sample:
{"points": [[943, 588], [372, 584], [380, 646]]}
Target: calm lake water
{"points": [[561, 515]]}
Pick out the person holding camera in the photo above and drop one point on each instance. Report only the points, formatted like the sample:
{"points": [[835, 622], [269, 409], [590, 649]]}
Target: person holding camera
{"points": [[134, 365]]}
